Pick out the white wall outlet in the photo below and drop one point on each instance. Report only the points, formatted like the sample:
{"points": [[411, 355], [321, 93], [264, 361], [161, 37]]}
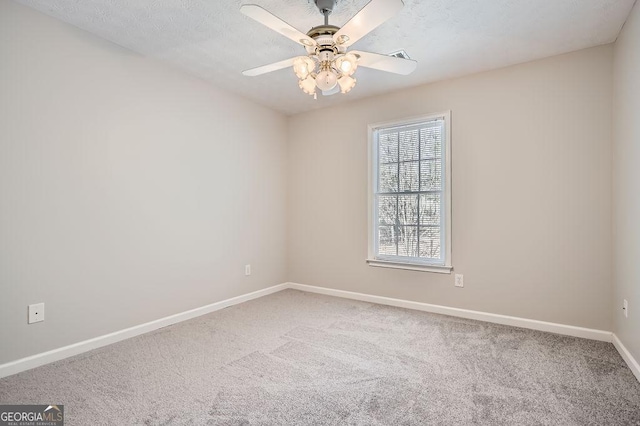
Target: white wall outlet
{"points": [[459, 280], [247, 269], [625, 308], [36, 313]]}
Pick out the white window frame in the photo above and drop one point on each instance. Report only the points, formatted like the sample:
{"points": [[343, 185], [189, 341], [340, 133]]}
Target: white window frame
{"points": [[425, 266]]}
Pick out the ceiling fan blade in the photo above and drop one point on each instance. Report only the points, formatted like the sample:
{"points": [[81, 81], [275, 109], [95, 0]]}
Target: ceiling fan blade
{"points": [[276, 24], [386, 63], [268, 68], [333, 91], [372, 15]]}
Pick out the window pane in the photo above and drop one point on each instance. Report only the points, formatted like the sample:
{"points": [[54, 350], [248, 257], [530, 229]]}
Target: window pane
{"points": [[410, 191], [408, 241], [387, 209], [430, 242], [388, 148], [408, 209], [431, 175], [409, 180], [409, 143], [431, 142], [430, 209], [386, 240], [388, 178]]}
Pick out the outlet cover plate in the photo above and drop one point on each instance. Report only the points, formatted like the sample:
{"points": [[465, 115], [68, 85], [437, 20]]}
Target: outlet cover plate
{"points": [[36, 313], [459, 280]]}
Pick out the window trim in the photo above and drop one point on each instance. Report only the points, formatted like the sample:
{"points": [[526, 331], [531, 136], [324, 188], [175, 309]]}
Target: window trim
{"points": [[372, 259]]}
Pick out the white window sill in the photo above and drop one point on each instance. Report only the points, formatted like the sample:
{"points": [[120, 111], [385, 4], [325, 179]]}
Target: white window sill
{"points": [[410, 266]]}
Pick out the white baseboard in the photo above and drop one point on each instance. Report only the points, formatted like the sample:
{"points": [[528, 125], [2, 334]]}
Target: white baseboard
{"points": [[37, 360], [568, 330], [628, 358]]}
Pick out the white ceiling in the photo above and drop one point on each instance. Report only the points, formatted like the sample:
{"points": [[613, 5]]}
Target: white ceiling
{"points": [[448, 38]]}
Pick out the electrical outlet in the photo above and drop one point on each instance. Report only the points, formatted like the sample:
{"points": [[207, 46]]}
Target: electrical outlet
{"points": [[247, 269], [36, 313], [625, 308], [459, 280]]}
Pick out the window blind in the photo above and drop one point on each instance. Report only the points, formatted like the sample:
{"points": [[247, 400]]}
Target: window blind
{"points": [[409, 192]]}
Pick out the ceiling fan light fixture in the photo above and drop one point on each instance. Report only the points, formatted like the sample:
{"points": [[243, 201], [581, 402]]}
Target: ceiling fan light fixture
{"points": [[327, 65], [347, 64], [326, 80], [346, 83], [303, 66], [308, 85]]}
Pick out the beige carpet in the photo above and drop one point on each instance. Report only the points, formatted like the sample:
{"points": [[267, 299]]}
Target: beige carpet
{"points": [[299, 358]]}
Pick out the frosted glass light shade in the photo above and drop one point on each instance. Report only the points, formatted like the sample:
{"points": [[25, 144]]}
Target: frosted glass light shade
{"points": [[308, 85], [326, 80], [303, 66], [346, 83], [347, 64]]}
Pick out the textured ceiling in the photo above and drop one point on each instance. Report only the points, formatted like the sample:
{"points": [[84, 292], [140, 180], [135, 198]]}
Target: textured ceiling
{"points": [[212, 39]]}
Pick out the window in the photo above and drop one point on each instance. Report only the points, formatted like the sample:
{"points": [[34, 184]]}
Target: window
{"points": [[410, 194]]}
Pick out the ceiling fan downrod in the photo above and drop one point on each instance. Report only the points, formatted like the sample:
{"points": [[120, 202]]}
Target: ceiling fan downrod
{"points": [[325, 7]]}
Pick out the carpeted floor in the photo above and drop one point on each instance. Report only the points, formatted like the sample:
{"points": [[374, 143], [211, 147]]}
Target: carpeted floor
{"points": [[300, 358]]}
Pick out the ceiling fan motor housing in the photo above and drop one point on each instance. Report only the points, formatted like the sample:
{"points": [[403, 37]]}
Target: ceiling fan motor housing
{"points": [[323, 35]]}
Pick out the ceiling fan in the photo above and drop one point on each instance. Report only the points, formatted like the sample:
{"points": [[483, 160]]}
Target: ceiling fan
{"points": [[328, 65]]}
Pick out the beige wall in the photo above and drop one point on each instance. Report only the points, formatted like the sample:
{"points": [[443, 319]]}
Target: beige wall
{"points": [[531, 192], [626, 184], [128, 191]]}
